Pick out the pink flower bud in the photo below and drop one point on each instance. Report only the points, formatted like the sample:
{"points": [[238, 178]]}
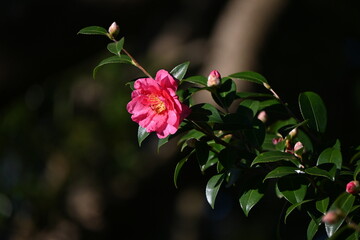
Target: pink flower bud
{"points": [[333, 216], [293, 133], [353, 187], [214, 79], [298, 149], [114, 29], [277, 140], [262, 116]]}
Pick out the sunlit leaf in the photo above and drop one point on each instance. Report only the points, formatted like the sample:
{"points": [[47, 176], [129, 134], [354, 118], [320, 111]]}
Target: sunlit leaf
{"points": [[276, 156], [94, 30], [293, 188], [281, 172], [315, 171], [113, 59], [205, 113], [212, 188], [312, 228], [142, 134], [312, 108], [179, 166], [250, 76], [197, 80], [322, 205], [249, 199], [345, 203], [251, 104], [179, 71], [294, 206]]}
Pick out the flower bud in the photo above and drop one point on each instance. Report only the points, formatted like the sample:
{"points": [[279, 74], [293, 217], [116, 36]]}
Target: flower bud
{"points": [[262, 116], [298, 149], [353, 187], [333, 216], [214, 79], [114, 29], [293, 133], [277, 140]]}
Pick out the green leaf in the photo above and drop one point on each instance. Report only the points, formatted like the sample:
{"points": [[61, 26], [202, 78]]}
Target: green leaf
{"points": [[292, 207], [116, 47], [293, 188], [180, 70], [276, 156], [197, 80], [113, 59], [249, 199], [330, 155], [94, 30], [205, 113], [281, 172], [250, 76], [251, 104], [344, 202], [322, 205], [162, 141], [268, 103], [178, 167], [142, 134], [315, 171], [312, 228], [357, 170], [212, 188], [312, 108], [202, 153], [254, 95]]}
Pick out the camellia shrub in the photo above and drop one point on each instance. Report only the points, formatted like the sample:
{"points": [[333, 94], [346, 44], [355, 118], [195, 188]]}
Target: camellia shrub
{"points": [[260, 141]]}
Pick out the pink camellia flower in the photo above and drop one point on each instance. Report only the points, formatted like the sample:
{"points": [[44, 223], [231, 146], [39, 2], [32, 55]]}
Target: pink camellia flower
{"points": [[214, 79], [155, 105], [353, 187]]}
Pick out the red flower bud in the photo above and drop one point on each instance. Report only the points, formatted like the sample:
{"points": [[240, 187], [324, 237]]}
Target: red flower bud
{"points": [[298, 149], [353, 187], [214, 79]]}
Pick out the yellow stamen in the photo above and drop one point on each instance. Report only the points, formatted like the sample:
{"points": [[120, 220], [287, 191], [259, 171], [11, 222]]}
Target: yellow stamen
{"points": [[156, 104]]}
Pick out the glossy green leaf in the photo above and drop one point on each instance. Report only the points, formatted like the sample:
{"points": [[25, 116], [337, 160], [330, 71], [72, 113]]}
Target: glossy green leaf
{"points": [[330, 155], [110, 60], [322, 205], [315, 171], [162, 141], [268, 157], [281, 172], [202, 153], [293, 188], [345, 203], [312, 108], [268, 103], [249, 199], [205, 113], [197, 80], [94, 30], [357, 170], [116, 47], [312, 228], [254, 95], [212, 188], [142, 134], [294, 206], [179, 71], [251, 104], [178, 167], [250, 76]]}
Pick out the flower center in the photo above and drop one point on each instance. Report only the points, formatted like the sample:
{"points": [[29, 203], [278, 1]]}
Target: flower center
{"points": [[156, 104]]}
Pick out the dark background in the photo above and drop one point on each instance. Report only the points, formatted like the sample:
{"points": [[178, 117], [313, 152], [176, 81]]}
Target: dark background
{"points": [[70, 166]]}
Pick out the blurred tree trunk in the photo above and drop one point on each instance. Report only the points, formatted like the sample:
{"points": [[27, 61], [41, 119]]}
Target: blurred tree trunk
{"points": [[237, 39]]}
